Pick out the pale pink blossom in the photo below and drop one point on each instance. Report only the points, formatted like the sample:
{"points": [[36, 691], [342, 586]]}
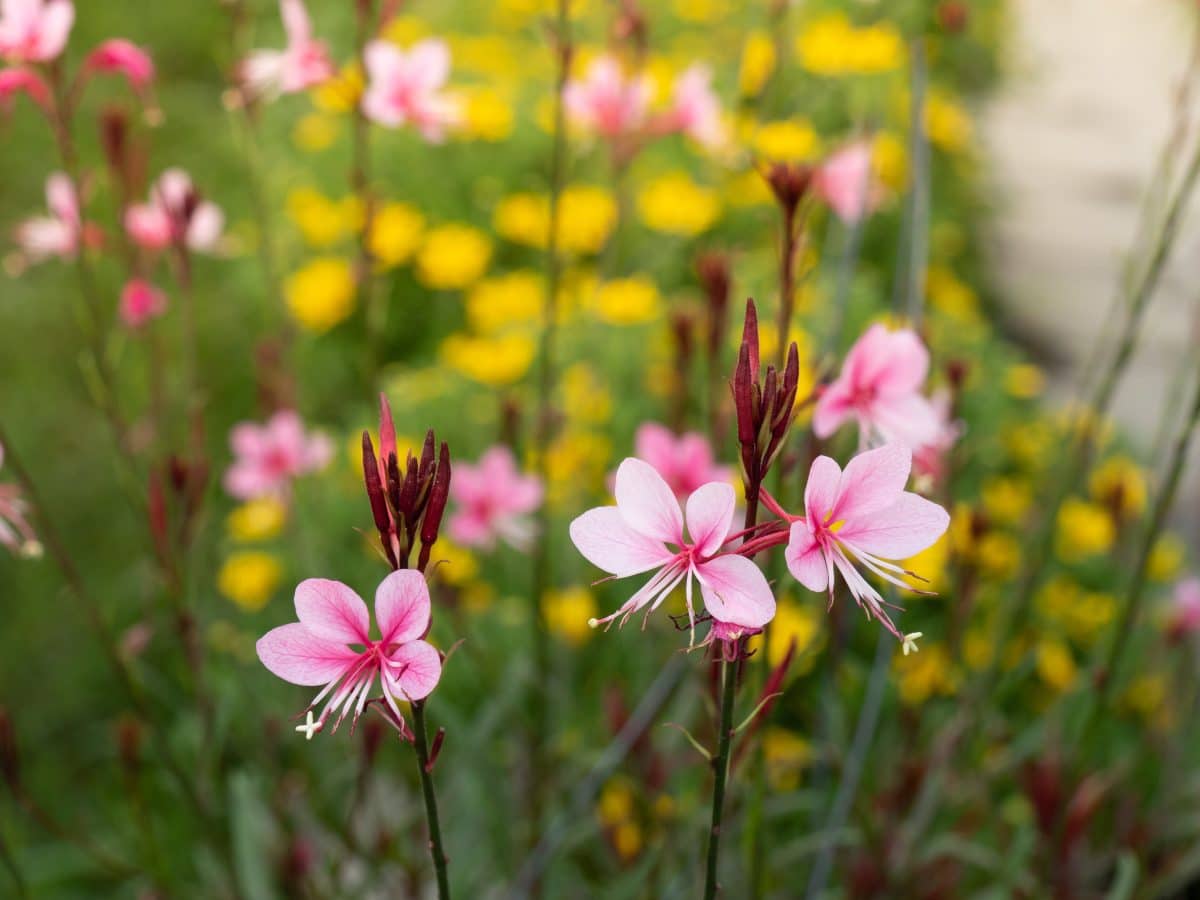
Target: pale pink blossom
{"points": [[645, 532], [880, 388], [493, 500], [269, 457], [141, 302], [331, 645], [685, 462], [405, 88], [122, 57], [303, 63], [929, 459], [34, 30], [174, 215], [22, 81], [1183, 617], [861, 515], [58, 234], [844, 181], [606, 102], [15, 531], [695, 109]]}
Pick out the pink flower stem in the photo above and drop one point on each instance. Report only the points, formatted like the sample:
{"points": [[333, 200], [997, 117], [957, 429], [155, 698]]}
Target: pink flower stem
{"points": [[720, 766]]}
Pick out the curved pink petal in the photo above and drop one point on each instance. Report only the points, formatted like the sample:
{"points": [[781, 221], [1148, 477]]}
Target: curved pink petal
{"points": [[710, 515], [296, 23], [872, 481], [805, 560], [295, 654], [61, 199], [53, 30], [911, 419], [834, 407], [735, 591], [904, 366], [333, 611], [656, 445], [607, 542], [647, 503], [402, 607], [430, 63], [418, 671], [821, 491], [204, 229], [908, 526]]}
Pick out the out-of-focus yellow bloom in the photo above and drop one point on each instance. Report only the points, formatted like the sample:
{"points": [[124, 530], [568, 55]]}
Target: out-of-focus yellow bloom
{"points": [[675, 204], [587, 217], [323, 221], [947, 123], [249, 579], [793, 621], [395, 233], [576, 461], [787, 754], [1006, 500], [321, 294], [928, 673], [477, 597], [790, 140], [628, 840], [1030, 443], [889, 159], [341, 93], [453, 256], [998, 555], [748, 189], [1147, 697], [617, 803], [491, 55], [1055, 664], [586, 400], [487, 116], [963, 538], [523, 219], [978, 649], [701, 10], [1084, 529], [405, 30], [494, 361], [1083, 615], [1119, 485], [454, 565], [315, 132], [523, 12], [257, 520], [627, 301], [831, 45], [503, 301], [567, 613], [758, 62], [1024, 380], [950, 295], [1166, 558], [931, 564]]}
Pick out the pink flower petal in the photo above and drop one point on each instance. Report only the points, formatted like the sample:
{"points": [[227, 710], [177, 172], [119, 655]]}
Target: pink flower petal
{"points": [[736, 591], [295, 654], [331, 610], [402, 607], [805, 560], [421, 670], [821, 491], [607, 541], [710, 515], [647, 503], [908, 526], [872, 481]]}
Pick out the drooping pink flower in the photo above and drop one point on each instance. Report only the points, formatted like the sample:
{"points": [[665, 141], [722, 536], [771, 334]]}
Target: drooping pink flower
{"points": [[22, 81], [861, 515], [34, 30], [1183, 618], [269, 457], [685, 462], [844, 181], [493, 500], [880, 388], [331, 645], [405, 88], [122, 57], [15, 531], [141, 302], [929, 459], [606, 102], [58, 234], [645, 532], [695, 109], [302, 64], [174, 215]]}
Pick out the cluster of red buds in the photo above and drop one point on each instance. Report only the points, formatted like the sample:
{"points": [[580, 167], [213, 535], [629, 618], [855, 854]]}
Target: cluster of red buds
{"points": [[407, 506]]}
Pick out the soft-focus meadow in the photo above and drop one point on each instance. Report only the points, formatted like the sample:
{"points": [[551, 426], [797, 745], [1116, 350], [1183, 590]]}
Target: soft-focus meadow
{"points": [[533, 227]]}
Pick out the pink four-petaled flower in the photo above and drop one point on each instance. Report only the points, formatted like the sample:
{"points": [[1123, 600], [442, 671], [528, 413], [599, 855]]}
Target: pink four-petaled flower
{"points": [[174, 215], [58, 234], [303, 63], [141, 302], [695, 109], [270, 456], [493, 501], [34, 30], [685, 462], [405, 88], [606, 102], [123, 57], [15, 531], [844, 182], [331, 645]]}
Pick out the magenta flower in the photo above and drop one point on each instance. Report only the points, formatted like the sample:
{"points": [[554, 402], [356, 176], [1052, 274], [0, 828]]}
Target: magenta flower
{"points": [[695, 109], [22, 81], [141, 302], [685, 462], [175, 215], [406, 88], [606, 102], [34, 30], [303, 63], [844, 182], [879, 387], [121, 57], [644, 532], [58, 234], [332, 645], [15, 531], [493, 500], [865, 515], [1184, 615], [269, 457]]}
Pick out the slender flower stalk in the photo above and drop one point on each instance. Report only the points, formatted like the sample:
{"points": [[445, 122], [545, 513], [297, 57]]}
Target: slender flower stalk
{"points": [[720, 766], [425, 766]]}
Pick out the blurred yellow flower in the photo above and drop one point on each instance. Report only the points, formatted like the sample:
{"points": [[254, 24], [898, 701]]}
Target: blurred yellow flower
{"points": [[1030, 443], [701, 10], [1147, 696], [453, 256], [627, 301], [489, 54], [787, 755], [674, 204], [257, 520], [947, 123], [576, 462], [889, 159], [321, 294], [998, 555], [395, 233], [488, 116], [1166, 558], [748, 189], [499, 302], [1084, 529], [757, 64], [341, 93], [951, 296], [405, 30], [585, 398], [931, 564], [523, 219], [1024, 381], [454, 565], [628, 840], [1055, 664], [587, 217], [1006, 500], [1119, 485], [790, 140], [567, 613], [978, 649], [925, 674], [315, 132], [801, 622], [617, 803], [323, 221], [832, 45], [494, 361], [249, 579]]}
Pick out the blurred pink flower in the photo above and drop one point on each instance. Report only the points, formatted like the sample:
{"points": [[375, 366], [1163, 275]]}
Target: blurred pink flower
{"points": [[332, 645], [685, 462], [493, 499], [879, 387], [15, 531], [1184, 616], [123, 57], [270, 456], [844, 182], [141, 302], [303, 63], [17, 80], [639, 534], [606, 102], [695, 109], [929, 459], [405, 88], [863, 514], [34, 30], [175, 214], [58, 234]]}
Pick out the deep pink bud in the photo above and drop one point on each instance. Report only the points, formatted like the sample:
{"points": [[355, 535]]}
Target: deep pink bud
{"points": [[122, 57], [387, 429]]}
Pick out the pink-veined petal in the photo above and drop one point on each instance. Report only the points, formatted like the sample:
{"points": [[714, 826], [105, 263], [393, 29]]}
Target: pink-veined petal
{"points": [[805, 559], [709, 516], [402, 607], [295, 654], [821, 491], [647, 503], [872, 481], [607, 541], [736, 591], [419, 671], [332, 610], [907, 527]]}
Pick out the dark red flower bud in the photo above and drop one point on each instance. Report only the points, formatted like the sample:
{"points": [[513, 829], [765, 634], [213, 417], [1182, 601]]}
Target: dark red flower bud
{"points": [[129, 739], [790, 182], [952, 16], [439, 494], [435, 748]]}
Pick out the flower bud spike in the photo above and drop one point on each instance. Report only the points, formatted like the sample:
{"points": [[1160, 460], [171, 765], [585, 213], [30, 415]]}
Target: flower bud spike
{"points": [[387, 428], [428, 455], [434, 749], [750, 337]]}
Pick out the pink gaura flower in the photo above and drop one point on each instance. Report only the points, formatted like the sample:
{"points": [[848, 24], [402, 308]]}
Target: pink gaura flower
{"points": [[175, 215], [141, 302], [15, 531], [685, 462], [34, 30], [695, 109], [303, 63], [493, 500], [1183, 617], [122, 57], [606, 102], [331, 645], [844, 182], [879, 388], [58, 234], [645, 532], [22, 81], [929, 459], [861, 515], [405, 88], [269, 457]]}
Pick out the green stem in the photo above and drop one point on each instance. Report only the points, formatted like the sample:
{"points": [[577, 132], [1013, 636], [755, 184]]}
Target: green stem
{"points": [[720, 765], [436, 850]]}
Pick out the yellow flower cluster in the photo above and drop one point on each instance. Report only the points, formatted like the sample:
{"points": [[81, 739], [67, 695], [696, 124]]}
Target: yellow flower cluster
{"points": [[674, 204], [453, 256], [494, 361], [249, 578], [321, 294], [833, 46], [587, 216]]}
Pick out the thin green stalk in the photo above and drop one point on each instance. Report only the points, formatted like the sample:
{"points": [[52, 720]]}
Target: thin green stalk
{"points": [[720, 766], [12, 867], [436, 850], [917, 211], [372, 302]]}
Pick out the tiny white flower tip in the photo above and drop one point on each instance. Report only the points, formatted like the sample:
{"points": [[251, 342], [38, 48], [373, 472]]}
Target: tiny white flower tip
{"points": [[32, 550], [910, 642], [309, 728], [593, 623]]}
